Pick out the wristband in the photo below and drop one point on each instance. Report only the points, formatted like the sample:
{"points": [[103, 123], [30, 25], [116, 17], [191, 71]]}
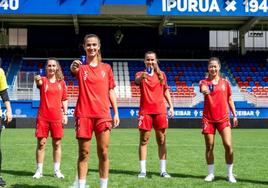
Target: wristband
{"points": [[65, 113]]}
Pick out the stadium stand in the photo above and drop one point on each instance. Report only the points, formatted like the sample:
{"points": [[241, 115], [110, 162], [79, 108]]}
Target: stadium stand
{"points": [[249, 80], [251, 77]]}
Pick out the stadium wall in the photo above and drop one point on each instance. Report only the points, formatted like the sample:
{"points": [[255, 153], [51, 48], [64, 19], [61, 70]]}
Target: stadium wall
{"points": [[132, 123]]}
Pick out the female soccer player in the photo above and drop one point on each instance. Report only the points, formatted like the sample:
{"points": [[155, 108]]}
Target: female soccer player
{"points": [[52, 113], [92, 112], [218, 99], [153, 112]]}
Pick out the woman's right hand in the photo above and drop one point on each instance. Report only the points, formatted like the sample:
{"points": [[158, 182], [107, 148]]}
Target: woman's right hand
{"points": [[37, 78], [205, 90], [75, 65], [143, 75]]}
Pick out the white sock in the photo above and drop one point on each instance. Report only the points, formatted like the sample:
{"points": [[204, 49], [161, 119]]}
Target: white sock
{"points": [[56, 167], [103, 182], [143, 166], [39, 167], [82, 183], [162, 166], [229, 169], [211, 169]]}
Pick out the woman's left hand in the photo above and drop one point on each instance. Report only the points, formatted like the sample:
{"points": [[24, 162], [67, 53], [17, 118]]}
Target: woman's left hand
{"points": [[116, 121], [235, 122], [64, 119], [171, 112]]}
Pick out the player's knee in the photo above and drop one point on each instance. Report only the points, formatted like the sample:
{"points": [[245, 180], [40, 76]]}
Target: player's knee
{"points": [[144, 141], [41, 145], [209, 147], [56, 146], [161, 141], [103, 153], [228, 147], [83, 155]]}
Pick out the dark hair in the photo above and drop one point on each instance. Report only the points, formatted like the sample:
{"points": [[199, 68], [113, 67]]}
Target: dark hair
{"points": [[58, 74], [94, 36], [157, 69], [215, 59], [218, 61]]}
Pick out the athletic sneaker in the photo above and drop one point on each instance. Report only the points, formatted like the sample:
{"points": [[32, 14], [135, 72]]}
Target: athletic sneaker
{"points": [[209, 177], [142, 175], [58, 174], [75, 185], [231, 178], [37, 175], [2, 182], [165, 175]]}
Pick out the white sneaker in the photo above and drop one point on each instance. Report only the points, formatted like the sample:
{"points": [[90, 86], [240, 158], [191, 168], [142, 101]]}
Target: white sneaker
{"points": [[231, 178], [165, 175], [37, 175], [58, 174], [142, 175], [209, 178], [75, 185]]}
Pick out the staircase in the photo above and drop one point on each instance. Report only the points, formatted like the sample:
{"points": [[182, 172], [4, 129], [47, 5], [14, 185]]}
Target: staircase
{"points": [[13, 70]]}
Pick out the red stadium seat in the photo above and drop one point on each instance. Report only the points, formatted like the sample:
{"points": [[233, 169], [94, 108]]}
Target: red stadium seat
{"points": [[249, 79], [260, 89], [70, 83], [191, 89], [179, 88], [192, 94], [243, 89], [254, 89], [257, 83], [253, 69], [185, 89]]}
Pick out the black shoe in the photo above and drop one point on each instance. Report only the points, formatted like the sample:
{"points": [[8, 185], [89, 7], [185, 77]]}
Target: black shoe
{"points": [[2, 182]]}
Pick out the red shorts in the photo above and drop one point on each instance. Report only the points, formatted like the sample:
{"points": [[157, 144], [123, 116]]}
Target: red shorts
{"points": [[148, 121], [210, 128], [86, 126], [43, 127]]}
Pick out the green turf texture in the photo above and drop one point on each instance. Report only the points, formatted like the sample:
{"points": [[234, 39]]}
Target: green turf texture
{"points": [[186, 162]]}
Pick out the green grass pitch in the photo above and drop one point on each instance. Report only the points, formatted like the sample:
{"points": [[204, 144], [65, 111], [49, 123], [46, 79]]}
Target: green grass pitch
{"points": [[185, 162]]}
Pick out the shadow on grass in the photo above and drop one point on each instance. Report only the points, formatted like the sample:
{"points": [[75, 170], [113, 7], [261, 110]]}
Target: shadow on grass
{"points": [[17, 172], [31, 186], [149, 173], [23, 173], [242, 180], [177, 175]]}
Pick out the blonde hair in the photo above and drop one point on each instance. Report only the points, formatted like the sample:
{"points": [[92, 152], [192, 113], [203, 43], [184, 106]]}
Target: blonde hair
{"points": [[94, 36], [157, 69], [58, 74]]}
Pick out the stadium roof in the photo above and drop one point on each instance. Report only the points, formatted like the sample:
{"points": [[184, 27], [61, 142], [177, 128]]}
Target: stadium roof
{"points": [[225, 23]]}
